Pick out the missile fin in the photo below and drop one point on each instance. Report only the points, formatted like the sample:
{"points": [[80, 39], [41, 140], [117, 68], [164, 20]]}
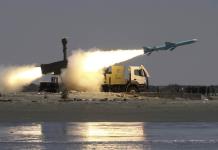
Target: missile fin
{"points": [[171, 49]]}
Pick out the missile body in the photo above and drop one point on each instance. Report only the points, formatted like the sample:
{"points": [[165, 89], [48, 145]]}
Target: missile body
{"points": [[167, 46]]}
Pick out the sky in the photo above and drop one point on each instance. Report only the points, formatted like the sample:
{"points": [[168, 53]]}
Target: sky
{"points": [[31, 32]]}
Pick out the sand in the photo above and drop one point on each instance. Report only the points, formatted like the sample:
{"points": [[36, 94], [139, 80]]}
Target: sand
{"points": [[88, 107]]}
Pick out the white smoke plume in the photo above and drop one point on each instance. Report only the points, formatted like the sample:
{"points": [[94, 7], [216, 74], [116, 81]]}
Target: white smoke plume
{"points": [[14, 78], [85, 68]]}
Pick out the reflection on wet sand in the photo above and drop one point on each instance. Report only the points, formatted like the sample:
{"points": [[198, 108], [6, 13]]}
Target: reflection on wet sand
{"points": [[21, 132], [98, 135], [90, 131], [94, 131], [108, 135], [113, 131]]}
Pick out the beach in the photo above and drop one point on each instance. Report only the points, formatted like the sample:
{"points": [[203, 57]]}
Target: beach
{"points": [[87, 107]]}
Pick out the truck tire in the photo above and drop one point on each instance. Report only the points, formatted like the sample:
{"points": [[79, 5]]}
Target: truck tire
{"points": [[132, 89]]}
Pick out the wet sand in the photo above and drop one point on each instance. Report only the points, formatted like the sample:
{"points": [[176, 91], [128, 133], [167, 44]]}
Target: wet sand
{"points": [[89, 107]]}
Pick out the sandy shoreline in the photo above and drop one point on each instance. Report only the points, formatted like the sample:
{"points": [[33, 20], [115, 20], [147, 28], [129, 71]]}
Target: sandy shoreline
{"points": [[33, 107]]}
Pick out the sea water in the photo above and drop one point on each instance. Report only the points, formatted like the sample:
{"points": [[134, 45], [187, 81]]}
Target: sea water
{"points": [[109, 135]]}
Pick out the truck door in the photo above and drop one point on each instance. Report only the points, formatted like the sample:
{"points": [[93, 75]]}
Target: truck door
{"points": [[137, 74]]}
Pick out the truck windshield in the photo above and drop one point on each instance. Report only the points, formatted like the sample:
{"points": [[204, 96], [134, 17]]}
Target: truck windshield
{"points": [[138, 72]]}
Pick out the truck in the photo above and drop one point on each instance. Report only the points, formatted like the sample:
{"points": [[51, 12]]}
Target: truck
{"points": [[118, 78], [52, 86]]}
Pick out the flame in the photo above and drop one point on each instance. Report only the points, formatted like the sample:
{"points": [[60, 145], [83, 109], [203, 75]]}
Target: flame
{"points": [[85, 69], [14, 78], [96, 60]]}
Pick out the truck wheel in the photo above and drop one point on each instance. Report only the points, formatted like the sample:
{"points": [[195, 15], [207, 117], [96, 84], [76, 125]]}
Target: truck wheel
{"points": [[132, 89]]}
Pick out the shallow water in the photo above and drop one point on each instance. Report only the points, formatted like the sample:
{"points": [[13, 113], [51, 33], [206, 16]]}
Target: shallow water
{"points": [[108, 135]]}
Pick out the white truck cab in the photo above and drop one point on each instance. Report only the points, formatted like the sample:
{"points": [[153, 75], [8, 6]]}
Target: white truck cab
{"points": [[139, 74]]}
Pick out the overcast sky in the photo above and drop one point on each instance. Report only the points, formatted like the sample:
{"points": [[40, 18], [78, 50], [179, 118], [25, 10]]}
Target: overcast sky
{"points": [[30, 32]]}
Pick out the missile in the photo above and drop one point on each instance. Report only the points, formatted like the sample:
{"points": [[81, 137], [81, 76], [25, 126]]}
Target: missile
{"points": [[167, 46]]}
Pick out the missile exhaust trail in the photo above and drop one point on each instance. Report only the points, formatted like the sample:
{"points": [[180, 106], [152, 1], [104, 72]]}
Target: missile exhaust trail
{"points": [[85, 68], [14, 78]]}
